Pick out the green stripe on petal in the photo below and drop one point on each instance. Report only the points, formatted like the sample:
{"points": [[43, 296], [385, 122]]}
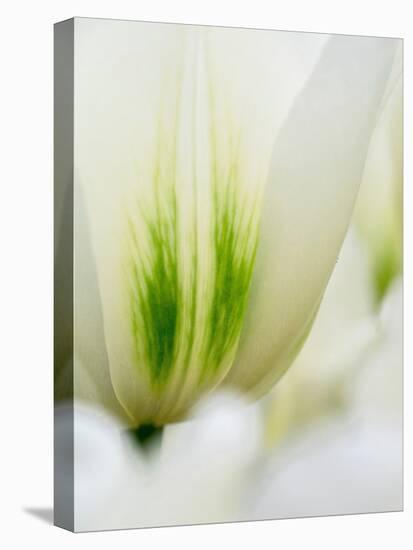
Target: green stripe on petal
{"points": [[234, 243], [187, 312]]}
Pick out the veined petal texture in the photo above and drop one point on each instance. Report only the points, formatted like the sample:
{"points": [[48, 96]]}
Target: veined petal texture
{"points": [[204, 225]]}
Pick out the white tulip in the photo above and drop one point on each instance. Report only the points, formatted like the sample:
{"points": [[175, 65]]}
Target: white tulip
{"points": [[219, 169]]}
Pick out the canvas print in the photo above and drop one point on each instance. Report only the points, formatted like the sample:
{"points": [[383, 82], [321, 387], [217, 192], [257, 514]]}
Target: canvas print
{"points": [[228, 274]]}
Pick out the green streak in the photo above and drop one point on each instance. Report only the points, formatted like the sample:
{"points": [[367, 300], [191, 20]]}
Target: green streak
{"points": [[386, 267], [235, 239], [155, 291], [185, 313]]}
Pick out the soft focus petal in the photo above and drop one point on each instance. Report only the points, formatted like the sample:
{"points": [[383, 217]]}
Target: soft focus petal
{"points": [[206, 461], [91, 454], [378, 390], [352, 463], [316, 169], [379, 209], [332, 471], [200, 476], [91, 378], [343, 333]]}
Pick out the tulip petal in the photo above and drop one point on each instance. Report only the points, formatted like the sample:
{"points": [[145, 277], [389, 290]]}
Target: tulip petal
{"points": [[91, 378], [118, 96], [172, 156], [315, 173]]}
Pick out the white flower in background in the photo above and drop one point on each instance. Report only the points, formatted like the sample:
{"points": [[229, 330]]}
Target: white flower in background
{"points": [[379, 209], [333, 469], [379, 389], [218, 170], [345, 331], [348, 463], [199, 475]]}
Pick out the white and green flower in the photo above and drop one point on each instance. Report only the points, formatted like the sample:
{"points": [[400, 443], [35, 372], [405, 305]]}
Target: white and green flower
{"points": [[216, 172]]}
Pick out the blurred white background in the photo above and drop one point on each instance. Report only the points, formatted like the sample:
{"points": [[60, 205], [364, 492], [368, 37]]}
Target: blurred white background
{"points": [[26, 275]]}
